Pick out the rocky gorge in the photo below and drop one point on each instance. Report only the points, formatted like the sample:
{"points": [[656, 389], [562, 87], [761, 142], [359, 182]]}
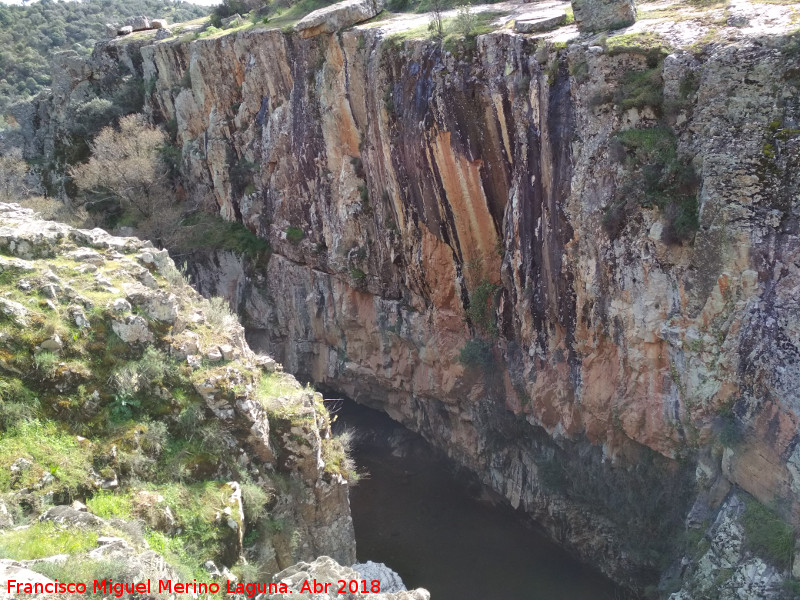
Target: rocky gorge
{"points": [[567, 260]]}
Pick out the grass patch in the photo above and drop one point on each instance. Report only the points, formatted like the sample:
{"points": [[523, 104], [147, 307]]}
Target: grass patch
{"points": [[336, 455], [50, 451], [275, 385], [45, 539], [83, 570], [17, 403], [651, 45], [284, 18], [107, 504], [423, 6]]}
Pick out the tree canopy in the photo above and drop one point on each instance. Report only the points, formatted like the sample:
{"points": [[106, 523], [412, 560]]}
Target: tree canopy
{"points": [[30, 34]]}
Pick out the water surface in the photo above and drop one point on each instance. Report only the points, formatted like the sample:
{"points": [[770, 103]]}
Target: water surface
{"points": [[425, 519]]}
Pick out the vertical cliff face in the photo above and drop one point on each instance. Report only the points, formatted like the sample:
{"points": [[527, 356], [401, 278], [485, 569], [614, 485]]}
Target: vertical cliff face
{"points": [[574, 280]]}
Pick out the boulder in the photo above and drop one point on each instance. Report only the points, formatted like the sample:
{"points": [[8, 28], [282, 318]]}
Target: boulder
{"points": [[14, 311], [602, 15], [158, 24], [112, 29], [324, 569], [139, 23], [133, 329], [52, 344], [337, 16], [390, 580], [537, 24], [232, 21], [66, 515], [125, 30], [11, 570], [163, 34], [78, 316]]}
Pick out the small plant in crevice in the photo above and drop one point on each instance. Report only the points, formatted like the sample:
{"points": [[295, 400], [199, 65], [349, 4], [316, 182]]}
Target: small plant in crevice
{"points": [[294, 235], [480, 311], [358, 275], [580, 70]]}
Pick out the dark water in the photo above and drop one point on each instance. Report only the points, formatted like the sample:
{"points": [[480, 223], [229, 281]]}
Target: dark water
{"points": [[424, 519]]}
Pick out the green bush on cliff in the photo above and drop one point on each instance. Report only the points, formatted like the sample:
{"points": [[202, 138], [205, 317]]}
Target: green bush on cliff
{"points": [[767, 535], [476, 353], [206, 230], [294, 234], [640, 89], [661, 178], [480, 311]]}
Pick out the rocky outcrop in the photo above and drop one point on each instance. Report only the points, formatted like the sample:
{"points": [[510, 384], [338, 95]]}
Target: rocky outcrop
{"points": [[337, 16], [325, 570], [602, 15], [573, 279], [158, 405], [725, 567]]}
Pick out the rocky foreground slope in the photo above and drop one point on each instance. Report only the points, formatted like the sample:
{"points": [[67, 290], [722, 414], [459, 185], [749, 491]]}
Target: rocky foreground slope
{"points": [[141, 437], [568, 261]]}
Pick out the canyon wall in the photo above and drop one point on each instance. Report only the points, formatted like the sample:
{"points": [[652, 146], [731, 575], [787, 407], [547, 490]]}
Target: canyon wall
{"points": [[579, 283]]}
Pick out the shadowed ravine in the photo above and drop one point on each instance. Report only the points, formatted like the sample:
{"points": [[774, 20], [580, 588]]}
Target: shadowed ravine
{"points": [[415, 512]]}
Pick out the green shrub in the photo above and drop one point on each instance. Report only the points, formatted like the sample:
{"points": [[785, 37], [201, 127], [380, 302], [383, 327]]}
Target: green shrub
{"points": [[665, 180], [204, 230], [476, 353], [46, 364], [50, 450], [767, 535], [580, 71], [218, 313], [17, 403], [254, 502], [357, 274], [465, 20], [294, 235], [336, 454], [640, 89], [481, 307]]}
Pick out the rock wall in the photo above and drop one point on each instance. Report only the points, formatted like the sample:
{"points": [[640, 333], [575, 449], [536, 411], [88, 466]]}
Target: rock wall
{"points": [[461, 239]]}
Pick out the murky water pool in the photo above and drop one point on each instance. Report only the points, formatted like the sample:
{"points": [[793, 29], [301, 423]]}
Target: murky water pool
{"points": [[418, 514]]}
